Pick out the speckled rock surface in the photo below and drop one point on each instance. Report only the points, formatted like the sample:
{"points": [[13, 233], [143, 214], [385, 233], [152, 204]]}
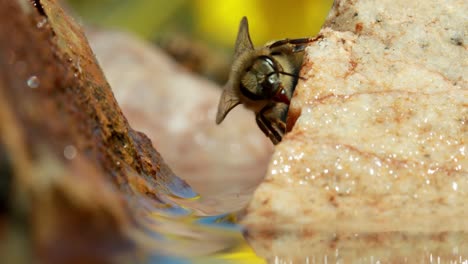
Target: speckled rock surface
{"points": [[375, 165]]}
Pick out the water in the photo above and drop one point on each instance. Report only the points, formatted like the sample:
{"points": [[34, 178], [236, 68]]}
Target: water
{"points": [[41, 23], [213, 239], [169, 228], [33, 82], [178, 235], [70, 152], [174, 239]]}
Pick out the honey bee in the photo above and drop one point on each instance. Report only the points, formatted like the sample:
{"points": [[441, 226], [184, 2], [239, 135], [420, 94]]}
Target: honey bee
{"points": [[263, 80]]}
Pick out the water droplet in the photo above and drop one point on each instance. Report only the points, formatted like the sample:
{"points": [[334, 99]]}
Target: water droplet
{"points": [[454, 186], [78, 68], [33, 82], [69, 152], [41, 23], [378, 163]]}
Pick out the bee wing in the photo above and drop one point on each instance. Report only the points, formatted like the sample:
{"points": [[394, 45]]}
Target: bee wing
{"points": [[227, 102], [243, 41]]}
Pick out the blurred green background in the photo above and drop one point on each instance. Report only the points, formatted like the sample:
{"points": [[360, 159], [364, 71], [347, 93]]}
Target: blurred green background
{"points": [[208, 20]]}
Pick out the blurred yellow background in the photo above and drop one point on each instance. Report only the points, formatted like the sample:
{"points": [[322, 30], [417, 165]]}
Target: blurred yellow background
{"points": [[212, 21], [269, 20]]}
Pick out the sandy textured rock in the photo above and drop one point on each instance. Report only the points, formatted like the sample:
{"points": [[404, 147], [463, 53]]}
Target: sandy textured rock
{"points": [[375, 164], [176, 110]]}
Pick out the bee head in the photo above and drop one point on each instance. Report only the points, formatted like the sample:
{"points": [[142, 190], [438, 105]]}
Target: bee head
{"points": [[261, 80], [257, 75]]}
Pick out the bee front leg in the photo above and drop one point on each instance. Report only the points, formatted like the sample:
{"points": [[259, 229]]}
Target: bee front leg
{"points": [[272, 121]]}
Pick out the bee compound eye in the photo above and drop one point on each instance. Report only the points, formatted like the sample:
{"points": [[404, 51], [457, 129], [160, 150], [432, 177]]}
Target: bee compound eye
{"points": [[250, 88], [273, 80], [267, 75], [261, 80]]}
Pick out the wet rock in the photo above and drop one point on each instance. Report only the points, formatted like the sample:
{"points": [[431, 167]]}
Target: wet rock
{"points": [[77, 180]]}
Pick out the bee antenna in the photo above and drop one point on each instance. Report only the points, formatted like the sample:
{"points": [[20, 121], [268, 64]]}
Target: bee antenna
{"points": [[290, 74]]}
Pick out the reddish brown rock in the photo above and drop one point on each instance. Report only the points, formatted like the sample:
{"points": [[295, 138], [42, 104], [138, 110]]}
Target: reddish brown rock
{"points": [[71, 161]]}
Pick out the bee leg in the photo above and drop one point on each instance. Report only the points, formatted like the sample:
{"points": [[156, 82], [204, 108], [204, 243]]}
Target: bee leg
{"points": [[272, 121], [299, 44]]}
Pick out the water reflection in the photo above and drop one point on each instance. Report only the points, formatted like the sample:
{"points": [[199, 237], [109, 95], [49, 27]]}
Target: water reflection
{"points": [[170, 229], [176, 234], [172, 237], [300, 246]]}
